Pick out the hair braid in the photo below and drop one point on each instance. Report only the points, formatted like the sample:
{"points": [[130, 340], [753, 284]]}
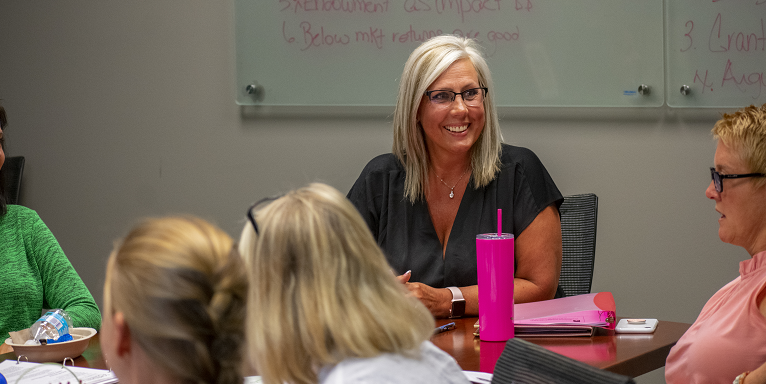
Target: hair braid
{"points": [[227, 311], [182, 290]]}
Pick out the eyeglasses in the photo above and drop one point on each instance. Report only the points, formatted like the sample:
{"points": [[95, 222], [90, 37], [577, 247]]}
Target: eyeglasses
{"points": [[471, 97], [259, 204], [718, 178]]}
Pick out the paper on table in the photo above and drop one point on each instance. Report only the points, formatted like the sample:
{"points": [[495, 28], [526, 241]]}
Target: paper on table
{"points": [[478, 377], [47, 373], [36, 373]]}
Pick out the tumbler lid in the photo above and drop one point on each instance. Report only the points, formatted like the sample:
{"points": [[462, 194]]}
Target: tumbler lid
{"points": [[494, 236]]}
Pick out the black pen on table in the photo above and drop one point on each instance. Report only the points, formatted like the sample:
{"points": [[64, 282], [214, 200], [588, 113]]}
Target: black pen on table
{"points": [[444, 328]]}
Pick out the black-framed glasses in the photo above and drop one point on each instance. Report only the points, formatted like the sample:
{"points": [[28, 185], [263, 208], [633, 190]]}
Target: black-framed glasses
{"points": [[259, 204], [718, 178], [471, 97]]}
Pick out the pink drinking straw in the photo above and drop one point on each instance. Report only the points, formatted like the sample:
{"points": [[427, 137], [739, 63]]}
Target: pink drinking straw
{"points": [[499, 222]]}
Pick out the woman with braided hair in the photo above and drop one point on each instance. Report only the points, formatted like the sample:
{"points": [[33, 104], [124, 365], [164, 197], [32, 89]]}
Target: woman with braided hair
{"points": [[174, 305]]}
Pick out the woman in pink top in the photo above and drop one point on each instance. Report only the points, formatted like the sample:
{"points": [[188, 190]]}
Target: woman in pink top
{"points": [[727, 342]]}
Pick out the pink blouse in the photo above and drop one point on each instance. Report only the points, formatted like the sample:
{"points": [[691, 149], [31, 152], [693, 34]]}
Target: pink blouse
{"points": [[728, 337]]}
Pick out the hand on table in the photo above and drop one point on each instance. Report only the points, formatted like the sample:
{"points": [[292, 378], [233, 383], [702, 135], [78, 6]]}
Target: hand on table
{"points": [[431, 297], [437, 300]]}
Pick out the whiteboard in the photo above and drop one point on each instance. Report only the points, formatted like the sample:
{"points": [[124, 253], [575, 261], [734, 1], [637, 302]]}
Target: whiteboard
{"points": [[570, 53], [717, 48]]}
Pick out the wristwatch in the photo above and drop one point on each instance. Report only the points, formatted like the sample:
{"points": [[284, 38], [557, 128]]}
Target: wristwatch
{"points": [[458, 303]]}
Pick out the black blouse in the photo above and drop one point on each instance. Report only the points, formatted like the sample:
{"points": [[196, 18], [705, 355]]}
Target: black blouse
{"points": [[522, 189]]}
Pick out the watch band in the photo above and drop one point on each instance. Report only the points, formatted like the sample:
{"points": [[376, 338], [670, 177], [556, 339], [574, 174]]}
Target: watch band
{"points": [[457, 294], [457, 309]]}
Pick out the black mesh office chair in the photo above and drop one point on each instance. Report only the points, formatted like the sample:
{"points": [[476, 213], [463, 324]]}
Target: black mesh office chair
{"points": [[12, 170], [579, 214], [525, 363]]}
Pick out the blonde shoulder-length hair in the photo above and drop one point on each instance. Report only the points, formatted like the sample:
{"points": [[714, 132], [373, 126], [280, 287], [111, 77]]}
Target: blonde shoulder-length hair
{"points": [[745, 132], [321, 290], [182, 289], [424, 66]]}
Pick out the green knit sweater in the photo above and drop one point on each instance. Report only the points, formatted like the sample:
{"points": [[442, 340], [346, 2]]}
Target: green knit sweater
{"points": [[35, 274]]}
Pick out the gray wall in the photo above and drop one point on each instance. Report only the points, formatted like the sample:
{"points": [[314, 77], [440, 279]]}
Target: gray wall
{"points": [[126, 110]]}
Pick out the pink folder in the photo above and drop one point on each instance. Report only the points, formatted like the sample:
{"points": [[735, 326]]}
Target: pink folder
{"points": [[579, 315], [595, 309]]}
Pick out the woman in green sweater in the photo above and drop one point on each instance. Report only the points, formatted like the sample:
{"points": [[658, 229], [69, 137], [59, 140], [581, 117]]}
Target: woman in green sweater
{"points": [[34, 272]]}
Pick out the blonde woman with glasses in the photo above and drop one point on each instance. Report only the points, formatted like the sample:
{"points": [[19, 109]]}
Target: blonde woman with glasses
{"points": [[727, 342], [324, 306], [174, 305], [448, 175]]}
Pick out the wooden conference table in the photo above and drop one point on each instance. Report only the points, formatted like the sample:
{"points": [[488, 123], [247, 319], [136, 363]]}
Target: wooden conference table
{"points": [[626, 354]]}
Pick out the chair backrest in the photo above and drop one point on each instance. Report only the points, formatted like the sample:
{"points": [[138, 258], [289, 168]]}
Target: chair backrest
{"points": [[578, 236], [12, 170], [527, 363]]}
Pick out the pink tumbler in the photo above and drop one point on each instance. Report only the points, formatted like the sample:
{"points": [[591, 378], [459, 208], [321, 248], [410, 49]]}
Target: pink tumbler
{"points": [[494, 261]]}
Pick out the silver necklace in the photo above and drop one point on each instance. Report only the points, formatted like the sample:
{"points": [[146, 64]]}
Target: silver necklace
{"points": [[452, 188]]}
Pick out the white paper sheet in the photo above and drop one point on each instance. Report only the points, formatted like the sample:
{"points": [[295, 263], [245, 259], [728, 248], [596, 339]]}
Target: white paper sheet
{"points": [[36, 373]]}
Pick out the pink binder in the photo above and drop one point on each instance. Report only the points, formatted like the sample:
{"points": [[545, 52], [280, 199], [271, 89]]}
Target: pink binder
{"points": [[579, 315], [589, 310]]}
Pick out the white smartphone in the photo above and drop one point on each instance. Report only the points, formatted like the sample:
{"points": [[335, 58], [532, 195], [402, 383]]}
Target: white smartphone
{"points": [[636, 326]]}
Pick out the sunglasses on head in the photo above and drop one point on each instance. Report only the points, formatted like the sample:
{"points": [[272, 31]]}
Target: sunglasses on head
{"points": [[258, 206]]}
